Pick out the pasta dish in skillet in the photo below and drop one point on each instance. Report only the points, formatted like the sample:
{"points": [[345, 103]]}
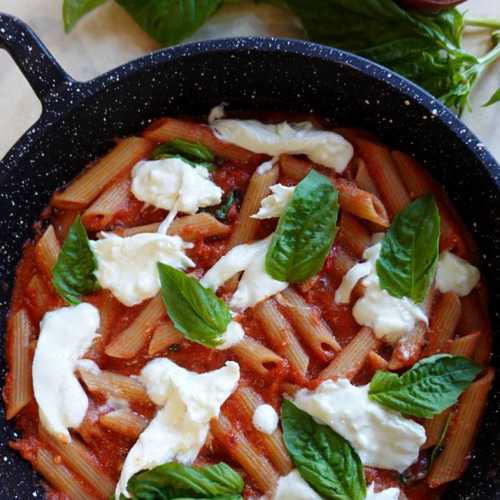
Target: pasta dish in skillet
{"points": [[250, 307]]}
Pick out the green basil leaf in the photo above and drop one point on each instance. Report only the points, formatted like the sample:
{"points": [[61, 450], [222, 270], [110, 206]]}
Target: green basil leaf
{"points": [[176, 481], [194, 153], [410, 251], [195, 310], [170, 21], [221, 212], [493, 99], [425, 48], [428, 388], [73, 275], [305, 231], [73, 10], [324, 459]]}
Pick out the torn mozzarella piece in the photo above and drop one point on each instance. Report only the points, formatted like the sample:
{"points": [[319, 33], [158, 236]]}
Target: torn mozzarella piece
{"points": [[65, 336], [382, 438], [293, 487], [455, 274], [255, 285], [390, 318], [265, 419], [321, 146], [387, 494], [274, 205], [188, 402], [217, 112], [172, 183], [128, 266], [233, 335]]}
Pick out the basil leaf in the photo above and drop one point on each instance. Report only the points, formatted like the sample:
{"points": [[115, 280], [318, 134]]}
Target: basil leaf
{"points": [[305, 231], [195, 310], [73, 10], [194, 153], [222, 211], [493, 99], [73, 274], [170, 21], [428, 388], [410, 251], [425, 48], [177, 481], [324, 459]]}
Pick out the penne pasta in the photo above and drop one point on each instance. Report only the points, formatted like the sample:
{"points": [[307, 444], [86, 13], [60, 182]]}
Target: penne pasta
{"points": [[59, 476], [281, 336], [248, 401], [464, 346], [164, 336], [114, 385], [258, 188], [349, 361], [131, 340], [168, 129], [352, 235], [79, 459], [341, 263], [307, 321], [244, 453], [20, 389], [257, 356], [38, 295], [102, 212], [352, 199], [124, 422], [47, 251], [189, 227], [408, 348], [453, 460], [444, 321], [383, 171], [376, 362], [120, 160], [362, 177]]}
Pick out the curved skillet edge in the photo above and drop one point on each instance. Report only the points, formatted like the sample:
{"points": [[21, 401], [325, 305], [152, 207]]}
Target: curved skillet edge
{"points": [[81, 120]]}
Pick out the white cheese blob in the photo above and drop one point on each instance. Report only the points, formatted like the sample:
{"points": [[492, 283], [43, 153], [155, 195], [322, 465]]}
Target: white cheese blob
{"points": [[381, 437], [388, 494], [389, 317], [233, 335], [255, 284], [455, 274], [321, 146], [172, 183], [217, 112], [65, 336], [274, 205], [293, 487], [188, 402], [128, 266], [265, 419]]}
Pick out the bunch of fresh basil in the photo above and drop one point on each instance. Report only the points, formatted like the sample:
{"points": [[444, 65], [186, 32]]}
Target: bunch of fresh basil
{"points": [[426, 48]]}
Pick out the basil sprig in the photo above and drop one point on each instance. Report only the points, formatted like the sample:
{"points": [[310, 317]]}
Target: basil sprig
{"points": [[174, 481], [428, 388], [73, 275], [195, 310], [305, 231], [410, 251], [324, 459], [194, 153]]}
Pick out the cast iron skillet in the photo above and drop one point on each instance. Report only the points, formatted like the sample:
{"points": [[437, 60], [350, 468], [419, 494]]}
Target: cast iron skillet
{"points": [[79, 121]]}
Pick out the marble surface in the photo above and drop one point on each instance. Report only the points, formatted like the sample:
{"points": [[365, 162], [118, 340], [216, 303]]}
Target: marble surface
{"points": [[108, 37]]}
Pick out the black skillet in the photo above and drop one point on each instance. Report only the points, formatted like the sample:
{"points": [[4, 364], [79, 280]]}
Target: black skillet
{"points": [[79, 121]]}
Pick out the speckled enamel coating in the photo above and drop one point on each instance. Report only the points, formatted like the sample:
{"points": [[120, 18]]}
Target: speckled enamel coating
{"points": [[79, 121]]}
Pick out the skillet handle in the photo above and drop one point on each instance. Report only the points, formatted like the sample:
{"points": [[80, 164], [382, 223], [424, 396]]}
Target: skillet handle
{"points": [[37, 64]]}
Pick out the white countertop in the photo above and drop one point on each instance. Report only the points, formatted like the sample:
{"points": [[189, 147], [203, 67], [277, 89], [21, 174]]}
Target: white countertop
{"points": [[108, 37]]}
